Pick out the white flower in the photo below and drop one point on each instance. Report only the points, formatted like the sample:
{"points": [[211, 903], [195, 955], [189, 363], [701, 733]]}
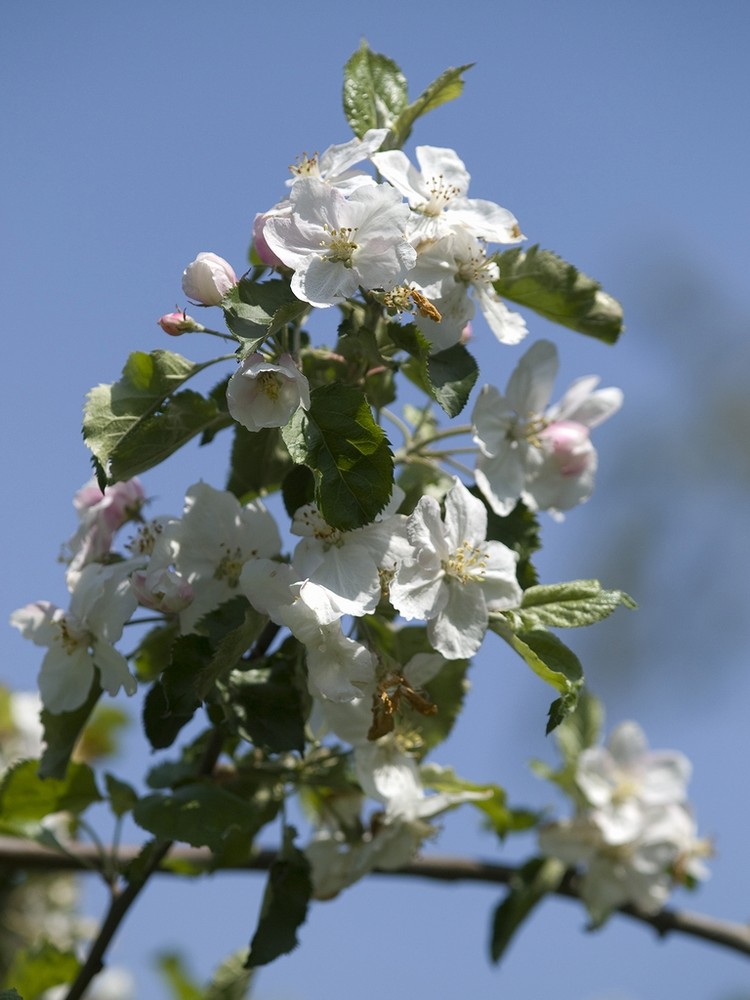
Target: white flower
{"points": [[333, 166], [335, 244], [619, 780], [437, 195], [641, 871], [81, 640], [338, 667], [454, 576], [453, 274], [343, 568], [543, 457], [263, 394], [211, 543], [207, 279]]}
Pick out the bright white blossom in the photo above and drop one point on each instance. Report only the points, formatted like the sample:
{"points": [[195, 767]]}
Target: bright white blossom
{"points": [[210, 544], [81, 640], [542, 456], [437, 195], [337, 244], [263, 394], [207, 279], [338, 667], [456, 275], [454, 576], [333, 166]]}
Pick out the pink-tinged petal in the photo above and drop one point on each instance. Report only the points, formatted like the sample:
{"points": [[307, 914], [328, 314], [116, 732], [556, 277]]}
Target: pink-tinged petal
{"points": [[586, 406], [37, 622]]}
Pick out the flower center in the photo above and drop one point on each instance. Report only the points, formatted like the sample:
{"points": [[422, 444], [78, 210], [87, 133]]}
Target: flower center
{"points": [[269, 384], [441, 194], [230, 566], [340, 244], [306, 166], [73, 635], [467, 563]]}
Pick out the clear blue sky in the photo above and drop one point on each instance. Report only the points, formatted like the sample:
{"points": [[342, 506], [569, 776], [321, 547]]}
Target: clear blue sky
{"points": [[134, 136]]}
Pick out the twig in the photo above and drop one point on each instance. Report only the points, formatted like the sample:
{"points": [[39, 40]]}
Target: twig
{"points": [[84, 857]]}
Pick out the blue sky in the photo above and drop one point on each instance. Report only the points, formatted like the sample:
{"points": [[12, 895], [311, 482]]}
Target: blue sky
{"points": [[135, 136]]}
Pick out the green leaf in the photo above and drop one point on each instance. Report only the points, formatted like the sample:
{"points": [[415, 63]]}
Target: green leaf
{"points": [[260, 461], [181, 983], [567, 605], [374, 91], [11, 994], [122, 796], [37, 969], [198, 661], [254, 310], [284, 907], [231, 980], [200, 813], [298, 488], [348, 452], [135, 407], [447, 87], [558, 291], [266, 705], [581, 729], [531, 883], [155, 651], [154, 438], [25, 798], [61, 733], [550, 659], [493, 802], [447, 377]]}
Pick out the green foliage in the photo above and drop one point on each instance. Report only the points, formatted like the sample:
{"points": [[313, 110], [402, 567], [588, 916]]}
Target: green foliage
{"points": [[197, 662], [531, 883], [258, 464], [580, 730], [11, 994], [122, 796], [284, 907], [567, 605], [201, 813], [491, 799], [375, 95], [25, 798], [374, 91], [267, 703], [347, 451], [447, 377], [519, 531], [230, 981], [550, 659], [255, 310], [558, 291], [61, 733], [37, 969], [137, 422]]}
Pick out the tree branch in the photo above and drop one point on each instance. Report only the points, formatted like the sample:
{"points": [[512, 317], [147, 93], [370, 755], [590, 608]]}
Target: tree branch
{"points": [[85, 857]]}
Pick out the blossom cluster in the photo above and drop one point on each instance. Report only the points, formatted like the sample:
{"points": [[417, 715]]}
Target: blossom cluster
{"points": [[636, 835]]}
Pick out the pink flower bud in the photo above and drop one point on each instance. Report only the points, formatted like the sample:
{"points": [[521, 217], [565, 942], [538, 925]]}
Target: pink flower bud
{"points": [[207, 279], [176, 323], [569, 442], [162, 590], [262, 249]]}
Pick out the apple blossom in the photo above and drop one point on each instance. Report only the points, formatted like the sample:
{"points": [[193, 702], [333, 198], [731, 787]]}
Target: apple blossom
{"points": [[263, 394], [454, 576], [337, 244], [100, 515], [455, 275], [81, 640], [338, 668], [207, 279], [437, 195], [333, 165], [177, 323], [543, 457], [210, 544]]}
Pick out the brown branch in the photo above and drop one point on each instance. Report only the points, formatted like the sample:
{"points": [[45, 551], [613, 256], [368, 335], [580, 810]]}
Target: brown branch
{"points": [[84, 857]]}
